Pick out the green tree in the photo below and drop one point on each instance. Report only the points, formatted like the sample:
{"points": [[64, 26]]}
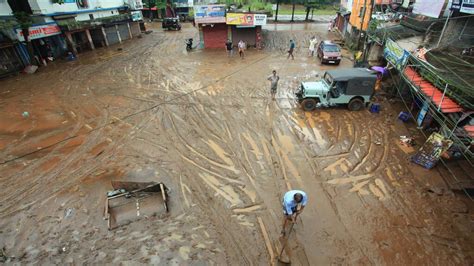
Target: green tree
{"points": [[25, 22]]}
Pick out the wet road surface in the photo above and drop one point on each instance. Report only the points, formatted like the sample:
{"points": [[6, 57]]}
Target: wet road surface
{"points": [[205, 125]]}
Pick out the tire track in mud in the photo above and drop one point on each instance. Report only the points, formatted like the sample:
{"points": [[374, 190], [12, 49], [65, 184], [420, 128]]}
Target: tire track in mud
{"points": [[63, 164]]}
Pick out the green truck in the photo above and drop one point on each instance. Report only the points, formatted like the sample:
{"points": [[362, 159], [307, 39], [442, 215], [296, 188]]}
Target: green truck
{"points": [[352, 87]]}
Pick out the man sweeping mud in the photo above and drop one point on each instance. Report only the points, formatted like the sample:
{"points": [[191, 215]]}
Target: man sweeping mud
{"points": [[294, 202]]}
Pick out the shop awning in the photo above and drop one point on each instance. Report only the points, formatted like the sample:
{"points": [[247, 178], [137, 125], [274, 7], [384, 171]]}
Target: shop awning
{"points": [[433, 93]]}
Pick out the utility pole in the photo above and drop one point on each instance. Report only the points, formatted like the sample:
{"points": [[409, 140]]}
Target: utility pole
{"points": [[276, 12], [366, 39], [293, 12], [149, 10], [361, 23]]}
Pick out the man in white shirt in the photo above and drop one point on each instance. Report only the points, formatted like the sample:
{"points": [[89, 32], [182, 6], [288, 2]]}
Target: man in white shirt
{"points": [[294, 202], [312, 45], [241, 47]]}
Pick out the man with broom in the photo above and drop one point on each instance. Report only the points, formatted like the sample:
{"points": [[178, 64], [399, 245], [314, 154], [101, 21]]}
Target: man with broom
{"points": [[294, 202]]}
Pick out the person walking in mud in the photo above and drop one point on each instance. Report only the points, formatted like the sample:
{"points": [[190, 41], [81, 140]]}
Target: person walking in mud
{"points": [[229, 48], [312, 45], [294, 202], [241, 47], [274, 78], [292, 48]]}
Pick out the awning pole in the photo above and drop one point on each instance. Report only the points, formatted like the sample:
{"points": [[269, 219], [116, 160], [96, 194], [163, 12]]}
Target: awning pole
{"points": [[444, 28], [442, 98]]}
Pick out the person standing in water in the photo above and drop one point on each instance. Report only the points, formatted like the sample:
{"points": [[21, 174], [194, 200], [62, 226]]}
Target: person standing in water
{"points": [[274, 78]]}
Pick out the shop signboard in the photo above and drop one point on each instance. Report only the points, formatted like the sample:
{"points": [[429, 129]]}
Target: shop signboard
{"points": [[429, 8], [240, 19], [136, 15], [467, 6], [395, 54], [244, 19], [422, 113], [260, 19], [40, 31], [456, 4], [430, 152], [209, 13]]}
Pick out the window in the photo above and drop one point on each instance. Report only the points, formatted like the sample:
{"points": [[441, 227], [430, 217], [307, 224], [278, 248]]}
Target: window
{"points": [[91, 16]]}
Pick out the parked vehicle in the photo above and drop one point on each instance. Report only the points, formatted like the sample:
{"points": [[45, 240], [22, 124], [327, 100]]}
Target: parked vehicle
{"points": [[352, 86], [171, 24], [329, 52]]}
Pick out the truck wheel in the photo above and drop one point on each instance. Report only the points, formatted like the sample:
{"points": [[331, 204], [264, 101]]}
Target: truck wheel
{"points": [[309, 104], [355, 104]]}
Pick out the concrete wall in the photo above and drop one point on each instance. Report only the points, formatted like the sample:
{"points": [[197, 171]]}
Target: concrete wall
{"points": [[98, 14], [356, 14], [46, 7], [5, 9]]}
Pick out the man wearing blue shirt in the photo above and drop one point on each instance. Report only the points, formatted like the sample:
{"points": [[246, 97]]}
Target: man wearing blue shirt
{"points": [[291, 200]]}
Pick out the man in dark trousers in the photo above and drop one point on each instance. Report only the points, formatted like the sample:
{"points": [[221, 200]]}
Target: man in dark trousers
{"points": [[229, 48], [292, 48], [294, 202]]}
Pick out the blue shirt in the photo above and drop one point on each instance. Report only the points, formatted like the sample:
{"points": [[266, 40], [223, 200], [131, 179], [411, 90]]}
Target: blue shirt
{"points": [[292, 45], [289, 202]]}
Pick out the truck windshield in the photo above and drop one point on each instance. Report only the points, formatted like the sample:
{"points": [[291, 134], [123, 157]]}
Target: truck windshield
{"points": [[328, 79]]}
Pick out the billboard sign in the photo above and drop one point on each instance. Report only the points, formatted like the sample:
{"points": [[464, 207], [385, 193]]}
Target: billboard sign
{"points": [[209, 13], [429, 8], [241, 19], [395, 54], [245, 19], [38, 32]]}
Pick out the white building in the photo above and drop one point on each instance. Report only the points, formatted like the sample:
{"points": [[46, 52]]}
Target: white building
{"points": [[5, 9]]}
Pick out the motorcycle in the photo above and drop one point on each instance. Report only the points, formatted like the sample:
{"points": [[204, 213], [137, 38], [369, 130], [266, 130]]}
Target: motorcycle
{"points": [[189, 44]]}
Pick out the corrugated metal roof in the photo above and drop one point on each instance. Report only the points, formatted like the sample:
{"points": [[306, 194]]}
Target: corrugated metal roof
{"points": [[433, 93]]}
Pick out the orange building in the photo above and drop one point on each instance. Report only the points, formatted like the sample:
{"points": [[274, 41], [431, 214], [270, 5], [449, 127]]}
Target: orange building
{"points": [[358, 18]]}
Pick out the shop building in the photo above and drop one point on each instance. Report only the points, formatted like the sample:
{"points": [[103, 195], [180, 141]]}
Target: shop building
{"points": [[246, 27], [211, 22]]}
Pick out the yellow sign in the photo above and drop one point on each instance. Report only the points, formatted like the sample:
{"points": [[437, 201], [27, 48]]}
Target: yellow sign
{"points": [[239, 19]]}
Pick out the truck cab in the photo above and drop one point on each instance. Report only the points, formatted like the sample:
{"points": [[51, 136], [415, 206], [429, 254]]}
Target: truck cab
{"points": [[353, 86]]}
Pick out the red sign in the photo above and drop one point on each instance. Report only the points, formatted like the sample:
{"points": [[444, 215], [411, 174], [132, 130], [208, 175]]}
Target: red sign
{"points": [[38, 32]]}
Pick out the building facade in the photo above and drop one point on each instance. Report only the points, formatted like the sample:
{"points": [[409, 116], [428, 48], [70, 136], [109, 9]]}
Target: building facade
{"points": [[70, 26]]}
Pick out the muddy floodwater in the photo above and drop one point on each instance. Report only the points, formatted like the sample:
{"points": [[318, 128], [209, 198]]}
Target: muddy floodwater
{"points": [[205, 126]]}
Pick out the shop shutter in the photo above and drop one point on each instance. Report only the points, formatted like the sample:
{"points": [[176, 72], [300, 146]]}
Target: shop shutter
{"points": [[112, 36], [124, 34], [215, 37], [248, 35], [135, 28]]}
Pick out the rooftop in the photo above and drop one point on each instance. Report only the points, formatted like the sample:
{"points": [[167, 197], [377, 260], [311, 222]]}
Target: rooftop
{"points": [[348, 73]]}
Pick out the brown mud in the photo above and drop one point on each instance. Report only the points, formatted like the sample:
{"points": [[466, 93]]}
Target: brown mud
{"points": [[205, 125]]}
